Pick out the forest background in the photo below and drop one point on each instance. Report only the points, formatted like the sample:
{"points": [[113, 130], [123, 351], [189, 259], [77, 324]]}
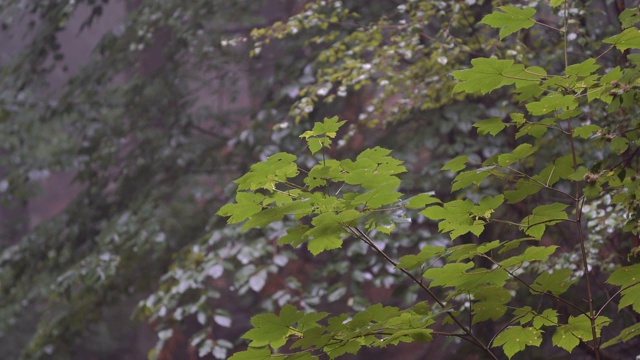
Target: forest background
{"points": [[123, 125]]}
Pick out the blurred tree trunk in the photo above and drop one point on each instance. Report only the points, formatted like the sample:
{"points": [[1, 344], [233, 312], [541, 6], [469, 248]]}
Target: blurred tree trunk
{"points": [[13, 219]]}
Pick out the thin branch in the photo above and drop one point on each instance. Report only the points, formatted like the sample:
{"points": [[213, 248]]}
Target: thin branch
{"points": [[602, 54], [583, 250], [557, 298], [527, 176], [503, 328], [549, 26], [355, 231], [614, 295], [625, 160]]}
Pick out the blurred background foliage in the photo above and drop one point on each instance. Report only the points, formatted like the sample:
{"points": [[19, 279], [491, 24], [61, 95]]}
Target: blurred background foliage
{"points": [[123, 124]]}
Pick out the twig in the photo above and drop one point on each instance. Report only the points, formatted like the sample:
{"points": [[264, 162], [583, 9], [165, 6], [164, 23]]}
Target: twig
{"points": [[355, 231]]}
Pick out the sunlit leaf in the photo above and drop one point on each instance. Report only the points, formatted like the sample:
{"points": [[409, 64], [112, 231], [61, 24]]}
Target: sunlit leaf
{"points": [[516, 338], [628, 39], [490, 126], [510, 19]]}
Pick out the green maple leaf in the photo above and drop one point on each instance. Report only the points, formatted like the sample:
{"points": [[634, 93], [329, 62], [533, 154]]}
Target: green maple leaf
{"points": [[328, 128], [322, 134], [548, 317], [619, 145], [557, 282], [266, 174], [516, 338], [628, 277], [317, 143], [421, 308], [517, 118], [630, 296], [323, 238], [421, 200], [456, 218], [384, 164], [529, 91], [563, 338], [535, 130], [585, 68], [428, 252], [462, 252], [490, 126], [485, 75], [552, 102], [629, 17], [310, 320], [523, 77], [519, 153], [295, 236], [378, 198], [374, 170], [532, 253], [456, 275], [486, 247], [628, 39], [485, 310], [524, 314], [543, 216], [316, 337], [491, 303], [327, 230], [625, 276], [270, 215], [247, 204], [271, 329], [586, 131], [417, 335], [341, 348], [466, 178], [524, 188], [320, 173], [625, 335], [578, 329], [456, 164], [510, 19]]}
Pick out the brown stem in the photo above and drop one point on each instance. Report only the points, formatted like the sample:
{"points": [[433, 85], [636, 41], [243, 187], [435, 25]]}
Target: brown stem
{"points": [[557, 298], [614, 295], [583, 251]]}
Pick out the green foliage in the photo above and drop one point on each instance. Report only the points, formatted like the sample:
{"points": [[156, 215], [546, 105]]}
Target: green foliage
{"points": [[322, 133], [627, 277], [510, 19], [628, 39], [516, 338], [539, 179], [374, 171], [578, 329], [488, 74], [377, 326], [531, 119]]}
